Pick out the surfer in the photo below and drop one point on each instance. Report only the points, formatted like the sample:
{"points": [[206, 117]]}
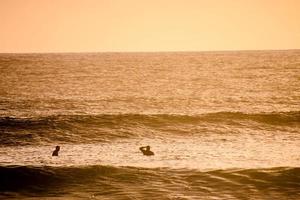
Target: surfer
{"points": [[55, 152], [146, 151]]}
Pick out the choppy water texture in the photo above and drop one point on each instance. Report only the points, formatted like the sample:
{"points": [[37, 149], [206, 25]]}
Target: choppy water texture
{"points": [[223, 125]]}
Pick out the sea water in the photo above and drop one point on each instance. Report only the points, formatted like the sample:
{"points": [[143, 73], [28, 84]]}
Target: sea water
{"points": [[222, 125]]}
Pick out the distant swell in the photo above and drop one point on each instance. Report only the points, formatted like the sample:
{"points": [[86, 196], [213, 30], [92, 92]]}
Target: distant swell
{"points": [[105, 127], [113, 180], [57, 121]]}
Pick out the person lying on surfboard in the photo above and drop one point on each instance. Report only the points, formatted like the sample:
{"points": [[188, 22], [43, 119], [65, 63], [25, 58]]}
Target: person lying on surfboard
{"points": [[146, 151]]}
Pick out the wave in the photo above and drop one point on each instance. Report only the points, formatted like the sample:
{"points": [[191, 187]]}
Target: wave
{"points": [[107, 127], [110, 120], [112, 180]]}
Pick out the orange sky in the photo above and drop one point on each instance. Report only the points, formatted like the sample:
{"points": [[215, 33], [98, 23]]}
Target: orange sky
{"points": [[148, 25]]}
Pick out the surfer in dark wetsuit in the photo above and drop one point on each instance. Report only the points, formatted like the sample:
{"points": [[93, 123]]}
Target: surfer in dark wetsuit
{"points": [[55, 152], [146, 151]]}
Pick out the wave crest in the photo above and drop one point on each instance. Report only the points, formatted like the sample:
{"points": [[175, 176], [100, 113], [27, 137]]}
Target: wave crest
{"points": [[118, 119], [106, 127]]}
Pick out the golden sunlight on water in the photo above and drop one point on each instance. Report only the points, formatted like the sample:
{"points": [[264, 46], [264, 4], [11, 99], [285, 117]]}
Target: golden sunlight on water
{"points": [[222, 125], [206, 152]]}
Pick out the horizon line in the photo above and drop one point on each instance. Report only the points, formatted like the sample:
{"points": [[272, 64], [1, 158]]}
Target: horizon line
{"points": [[163, 51]]}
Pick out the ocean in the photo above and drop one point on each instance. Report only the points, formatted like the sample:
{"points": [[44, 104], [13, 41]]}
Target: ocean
{"points": [[222, 125]]}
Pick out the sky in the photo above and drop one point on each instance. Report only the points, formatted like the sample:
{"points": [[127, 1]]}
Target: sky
{"points": [[148, 25]]}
